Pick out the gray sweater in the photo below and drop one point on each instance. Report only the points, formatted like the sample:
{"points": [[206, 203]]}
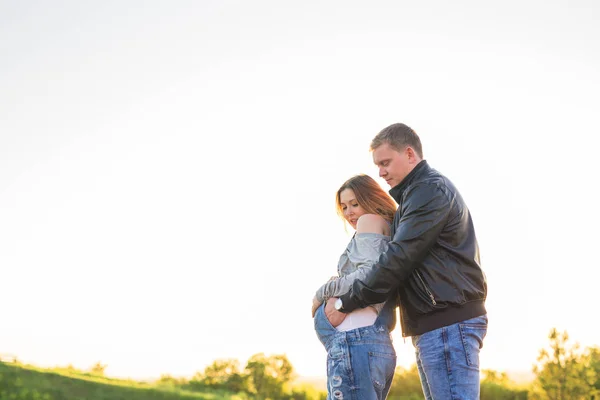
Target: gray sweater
{"points": [[360, 255]]}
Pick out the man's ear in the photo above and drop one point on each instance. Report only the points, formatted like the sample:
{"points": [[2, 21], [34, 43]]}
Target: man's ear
{"points": [[412, 155]]}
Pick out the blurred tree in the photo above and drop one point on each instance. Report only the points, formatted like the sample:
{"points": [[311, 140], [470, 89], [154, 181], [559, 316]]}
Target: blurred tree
{"points": [[497, 386], [169, 380], [306, 392], [98, 369], [592, 365], [561, 372], [406, 384], [221, 374], [492, 376], [268, 376]]}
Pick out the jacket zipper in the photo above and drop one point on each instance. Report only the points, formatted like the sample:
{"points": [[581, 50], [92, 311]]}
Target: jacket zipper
{"points": [[402, 326], [426, 288]]}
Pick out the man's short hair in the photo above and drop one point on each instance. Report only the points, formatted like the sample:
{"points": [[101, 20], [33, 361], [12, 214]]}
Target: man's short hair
{"points": [[398, 136]]}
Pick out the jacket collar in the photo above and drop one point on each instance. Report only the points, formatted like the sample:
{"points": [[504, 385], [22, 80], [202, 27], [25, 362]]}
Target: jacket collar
{"points": [[397, 191]]}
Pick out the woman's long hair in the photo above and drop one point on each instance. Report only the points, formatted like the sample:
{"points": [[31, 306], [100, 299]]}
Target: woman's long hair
{"points": [[369, 195]]}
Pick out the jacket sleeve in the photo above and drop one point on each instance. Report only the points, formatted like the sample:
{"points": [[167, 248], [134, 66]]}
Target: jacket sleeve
{"points": [[425, 211], [363, 255]]}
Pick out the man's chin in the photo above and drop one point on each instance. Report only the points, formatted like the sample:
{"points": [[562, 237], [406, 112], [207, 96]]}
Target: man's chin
{"points": [[393, 184]]}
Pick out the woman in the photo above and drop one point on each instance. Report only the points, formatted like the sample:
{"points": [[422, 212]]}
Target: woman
{"points": [[360, 355]]}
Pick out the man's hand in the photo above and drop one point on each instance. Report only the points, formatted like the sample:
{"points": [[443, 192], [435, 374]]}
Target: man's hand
{"points": [[316, 304], [334, 316]]}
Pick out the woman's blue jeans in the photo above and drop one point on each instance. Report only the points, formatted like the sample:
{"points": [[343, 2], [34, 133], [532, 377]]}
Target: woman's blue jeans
{"points": [[360, 362]]}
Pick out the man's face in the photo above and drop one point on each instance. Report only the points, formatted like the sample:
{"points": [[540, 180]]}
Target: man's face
{"points": [[393, 165]]}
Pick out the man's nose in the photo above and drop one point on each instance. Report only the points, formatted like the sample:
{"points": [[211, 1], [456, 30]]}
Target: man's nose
{"points": [[381, 172]]}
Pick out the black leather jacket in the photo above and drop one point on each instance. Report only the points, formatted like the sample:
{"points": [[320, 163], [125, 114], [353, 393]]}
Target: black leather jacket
{"points": [[432, 263]]}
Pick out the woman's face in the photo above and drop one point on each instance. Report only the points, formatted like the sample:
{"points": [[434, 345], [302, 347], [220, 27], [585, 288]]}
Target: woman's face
{"points": [[350, 207]]}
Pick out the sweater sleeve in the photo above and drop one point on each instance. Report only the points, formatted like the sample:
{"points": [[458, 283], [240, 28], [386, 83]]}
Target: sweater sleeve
{"points": [[363, 255]]}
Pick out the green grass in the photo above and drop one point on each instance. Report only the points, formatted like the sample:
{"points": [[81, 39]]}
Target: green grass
{"points": [[20, 382]]}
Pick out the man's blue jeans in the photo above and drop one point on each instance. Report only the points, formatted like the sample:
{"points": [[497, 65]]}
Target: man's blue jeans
{"points": [[360, 362], [448, 359]]}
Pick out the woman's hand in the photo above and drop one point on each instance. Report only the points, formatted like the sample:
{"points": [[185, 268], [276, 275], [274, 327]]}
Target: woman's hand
{"points": [[316, 304], [334, 316]]}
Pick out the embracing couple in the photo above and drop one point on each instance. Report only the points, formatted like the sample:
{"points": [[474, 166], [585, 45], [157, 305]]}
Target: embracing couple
{"points": [[422, 257]]}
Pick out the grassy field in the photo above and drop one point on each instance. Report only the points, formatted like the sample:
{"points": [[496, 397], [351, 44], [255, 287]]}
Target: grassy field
{"points": [[20, 382]]}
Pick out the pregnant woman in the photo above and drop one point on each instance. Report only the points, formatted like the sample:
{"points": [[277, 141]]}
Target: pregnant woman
{"points": [[360, 356]]}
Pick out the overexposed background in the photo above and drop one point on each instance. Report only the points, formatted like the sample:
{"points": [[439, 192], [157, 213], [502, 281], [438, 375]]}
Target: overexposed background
{"points": [[168, 169]]}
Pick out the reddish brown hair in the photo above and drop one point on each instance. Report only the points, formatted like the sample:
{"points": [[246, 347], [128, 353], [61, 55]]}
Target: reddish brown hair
{"points": [[369, 195]]}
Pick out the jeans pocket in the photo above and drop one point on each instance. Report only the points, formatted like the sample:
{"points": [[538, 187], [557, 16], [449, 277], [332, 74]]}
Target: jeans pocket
{"points": [[381, 368], [472, 336], [325, 332]]}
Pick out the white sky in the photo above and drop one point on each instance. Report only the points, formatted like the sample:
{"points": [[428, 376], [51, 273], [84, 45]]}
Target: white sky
{"points": [[168, 169]]}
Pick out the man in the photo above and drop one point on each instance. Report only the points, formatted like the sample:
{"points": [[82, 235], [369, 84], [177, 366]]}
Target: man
{"points": [[433, 264]]}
